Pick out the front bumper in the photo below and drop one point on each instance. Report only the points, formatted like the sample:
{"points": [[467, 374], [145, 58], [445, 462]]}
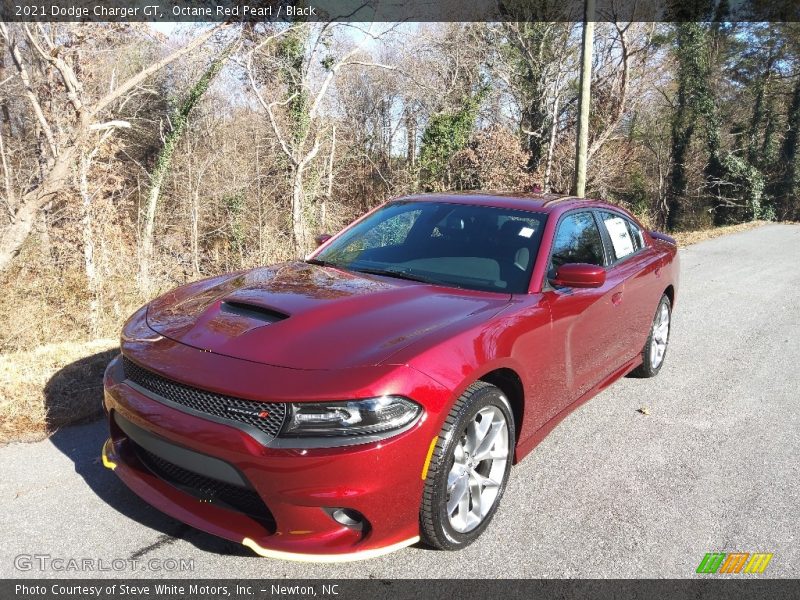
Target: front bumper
{"points": [[382, 481]]}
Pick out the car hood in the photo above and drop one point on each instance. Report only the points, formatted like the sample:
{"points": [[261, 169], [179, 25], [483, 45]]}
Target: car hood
{"points": [[306, 316]]}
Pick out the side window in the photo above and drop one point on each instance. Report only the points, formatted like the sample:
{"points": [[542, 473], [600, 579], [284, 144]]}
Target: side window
{"points": [[578, 241], [636, 234], [621, 239]]}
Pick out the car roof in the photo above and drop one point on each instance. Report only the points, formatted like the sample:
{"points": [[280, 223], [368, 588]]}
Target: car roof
{"points": [[537, 202]]}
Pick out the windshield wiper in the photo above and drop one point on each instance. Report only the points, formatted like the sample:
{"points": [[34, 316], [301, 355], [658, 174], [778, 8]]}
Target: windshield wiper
{"points": [[398, 274], [321, 263]]}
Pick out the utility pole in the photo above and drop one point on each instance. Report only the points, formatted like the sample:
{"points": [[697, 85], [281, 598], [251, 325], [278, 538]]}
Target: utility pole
{"points": [[584, 101]]}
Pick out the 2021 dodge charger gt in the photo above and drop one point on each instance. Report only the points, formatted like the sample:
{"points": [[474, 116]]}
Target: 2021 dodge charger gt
{"points": [[379, 391]]}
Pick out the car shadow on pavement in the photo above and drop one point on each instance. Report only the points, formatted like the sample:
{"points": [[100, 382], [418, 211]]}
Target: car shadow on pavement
{"points": [[82, 444]]}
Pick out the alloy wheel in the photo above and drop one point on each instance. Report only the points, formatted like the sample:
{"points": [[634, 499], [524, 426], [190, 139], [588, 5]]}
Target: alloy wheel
{"points": [[479, 465], [660, 336]]}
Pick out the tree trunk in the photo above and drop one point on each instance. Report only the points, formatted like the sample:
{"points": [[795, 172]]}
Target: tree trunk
{"points": [[532, 124], [30, 92], [323, 217], [19, 229], [153, 194], [10, 197], [90, 268], [716, 176], [299, 236], [195, 218], [411, 138], [681, 138], [660, 203], [548, 170], [754, 155]]}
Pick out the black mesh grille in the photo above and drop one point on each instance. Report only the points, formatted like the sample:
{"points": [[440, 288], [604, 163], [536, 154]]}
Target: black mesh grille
{"points": [[240, 499], [218, 405]]}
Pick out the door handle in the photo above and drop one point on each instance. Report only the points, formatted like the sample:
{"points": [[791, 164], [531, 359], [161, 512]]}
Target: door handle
{"points": [[616, 298], [659, 267]]}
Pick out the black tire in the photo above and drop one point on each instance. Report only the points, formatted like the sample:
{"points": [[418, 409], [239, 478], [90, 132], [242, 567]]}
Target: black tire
{"points": [[646, 369], [435, 527]]}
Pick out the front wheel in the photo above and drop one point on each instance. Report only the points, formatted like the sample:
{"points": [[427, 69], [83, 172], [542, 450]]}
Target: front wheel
{"points": [[469, 468], [655, 348]]}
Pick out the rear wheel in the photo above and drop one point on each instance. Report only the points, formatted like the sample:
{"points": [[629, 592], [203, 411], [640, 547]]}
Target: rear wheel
{"points": [[469, 468], [655, 348]]}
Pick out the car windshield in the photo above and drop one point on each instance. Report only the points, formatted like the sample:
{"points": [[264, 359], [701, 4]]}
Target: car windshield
{"points": [[473, 247]]}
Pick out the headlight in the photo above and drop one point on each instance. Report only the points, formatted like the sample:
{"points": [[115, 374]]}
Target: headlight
{"points": [[374, 418]]}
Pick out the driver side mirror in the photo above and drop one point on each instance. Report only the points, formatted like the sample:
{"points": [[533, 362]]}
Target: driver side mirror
{"points": [[322, 238], [579, 275]]}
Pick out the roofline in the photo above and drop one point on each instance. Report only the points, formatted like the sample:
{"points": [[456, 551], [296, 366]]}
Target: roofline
{"points": [[563, 198], [539, 199]]}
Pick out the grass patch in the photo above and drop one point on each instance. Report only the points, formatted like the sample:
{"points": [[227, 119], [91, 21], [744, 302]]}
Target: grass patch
{"points": [[687, 238], [51, 386]]}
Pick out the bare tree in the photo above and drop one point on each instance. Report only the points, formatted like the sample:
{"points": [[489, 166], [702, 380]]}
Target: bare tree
{"points": [[626, 48], [534, 61], [58, 157], [310, 88]]}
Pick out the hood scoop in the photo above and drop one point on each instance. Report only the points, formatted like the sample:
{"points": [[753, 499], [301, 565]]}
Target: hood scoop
{"points": [[252, 311], [302, 316]]}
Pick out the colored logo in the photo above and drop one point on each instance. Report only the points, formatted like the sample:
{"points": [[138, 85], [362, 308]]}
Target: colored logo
{"points": [[734, 562], [250, 412]]}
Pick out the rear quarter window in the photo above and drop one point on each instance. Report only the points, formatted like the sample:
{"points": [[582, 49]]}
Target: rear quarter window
{"points": [[636, 235]]}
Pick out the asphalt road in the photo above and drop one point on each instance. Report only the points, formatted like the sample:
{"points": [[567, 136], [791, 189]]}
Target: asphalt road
{"points": [[612, 492]]}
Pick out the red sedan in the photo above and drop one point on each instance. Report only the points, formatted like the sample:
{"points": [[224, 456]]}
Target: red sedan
{"points": [[378, 392]]}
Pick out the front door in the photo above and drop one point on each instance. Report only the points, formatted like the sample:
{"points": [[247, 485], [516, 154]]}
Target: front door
{"points": [[583, 334]]}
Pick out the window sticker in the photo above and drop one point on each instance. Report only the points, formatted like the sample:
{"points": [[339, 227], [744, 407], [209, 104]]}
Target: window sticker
{"points": [[526, 232], [620, 236]]}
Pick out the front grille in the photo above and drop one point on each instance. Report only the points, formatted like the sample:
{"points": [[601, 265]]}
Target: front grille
{"points": [[210, 403], [240, 499]]}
